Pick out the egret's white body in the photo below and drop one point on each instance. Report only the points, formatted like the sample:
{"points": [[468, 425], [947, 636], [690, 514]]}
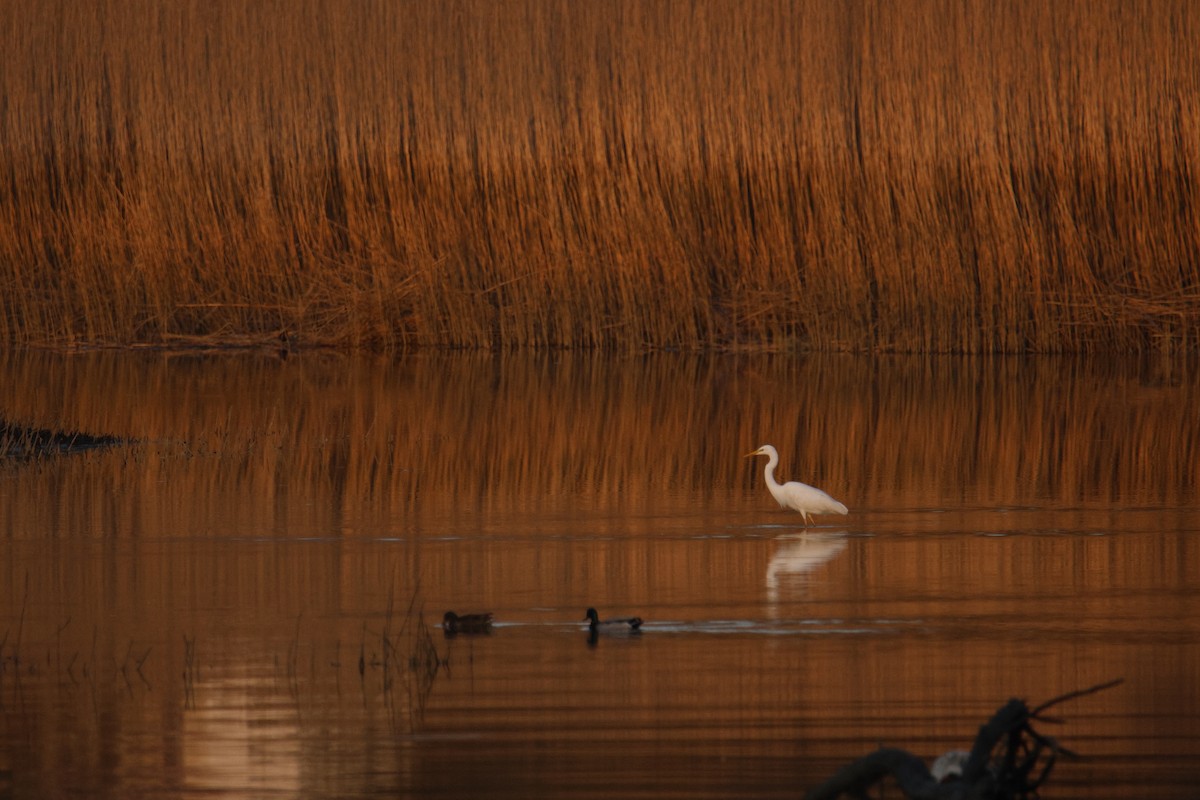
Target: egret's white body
{"points": [[793, 494]]}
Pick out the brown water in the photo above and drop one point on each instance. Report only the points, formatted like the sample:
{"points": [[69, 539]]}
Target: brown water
{"points": [[243, 602]]}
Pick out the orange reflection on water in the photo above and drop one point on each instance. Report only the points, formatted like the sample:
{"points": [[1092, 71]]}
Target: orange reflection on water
{"points": [[234, 603]]}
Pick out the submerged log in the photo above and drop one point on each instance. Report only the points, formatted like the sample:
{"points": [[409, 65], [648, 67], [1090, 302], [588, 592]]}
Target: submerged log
{"points": [[1008, 761]]}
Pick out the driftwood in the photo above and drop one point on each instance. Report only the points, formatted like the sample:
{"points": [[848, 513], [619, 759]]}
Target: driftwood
{"points": [[1008, 761]]}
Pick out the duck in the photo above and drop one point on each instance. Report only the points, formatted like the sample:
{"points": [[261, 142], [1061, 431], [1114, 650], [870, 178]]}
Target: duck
{"points": [[623, 623], [466, 623]]}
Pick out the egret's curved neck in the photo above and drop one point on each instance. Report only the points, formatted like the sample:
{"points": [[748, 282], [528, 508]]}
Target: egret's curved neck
{"points": [[769, 470]]}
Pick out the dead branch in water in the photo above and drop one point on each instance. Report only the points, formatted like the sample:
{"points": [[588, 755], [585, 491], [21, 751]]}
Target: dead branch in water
{"points": [[1008, 761]]}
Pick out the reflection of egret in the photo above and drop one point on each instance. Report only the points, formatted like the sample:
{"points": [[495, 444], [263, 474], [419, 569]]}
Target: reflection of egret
{"points": [[798, 557], [793, 494]]}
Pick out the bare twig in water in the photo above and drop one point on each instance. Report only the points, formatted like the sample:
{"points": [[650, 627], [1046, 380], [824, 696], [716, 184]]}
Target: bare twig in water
{"points": [[1062, 698], [89, 667], [124, 668], [1008, 761], [189, 672], [407, 654], [424, 664], [293, 654], [362, 652], [16, 656], [337, 666], [412, 601], [58, 639], [138, 667]]}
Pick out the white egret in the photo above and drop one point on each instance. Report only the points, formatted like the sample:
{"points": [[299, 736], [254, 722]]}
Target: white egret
{"points": [[793, 494], [595, 624]]}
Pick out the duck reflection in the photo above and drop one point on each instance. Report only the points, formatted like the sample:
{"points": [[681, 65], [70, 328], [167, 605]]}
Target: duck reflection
{"points": [[454, 624], [797, 557]]}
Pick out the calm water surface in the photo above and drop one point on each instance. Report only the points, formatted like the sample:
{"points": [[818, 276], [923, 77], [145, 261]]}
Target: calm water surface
{"points": [[244, 601]]}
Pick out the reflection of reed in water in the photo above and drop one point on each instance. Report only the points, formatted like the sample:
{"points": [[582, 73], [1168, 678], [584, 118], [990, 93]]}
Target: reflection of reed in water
{"points": [[254, 448], [397, 669], [796, 559], [385, 440], [21, 441], [251, 450]]}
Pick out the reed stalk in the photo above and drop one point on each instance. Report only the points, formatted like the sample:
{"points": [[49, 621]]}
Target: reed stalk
{"points": [[960, 176]]}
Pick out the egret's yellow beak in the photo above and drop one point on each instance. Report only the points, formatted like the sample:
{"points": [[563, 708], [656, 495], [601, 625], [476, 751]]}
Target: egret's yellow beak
{"points": [[755, 453]]}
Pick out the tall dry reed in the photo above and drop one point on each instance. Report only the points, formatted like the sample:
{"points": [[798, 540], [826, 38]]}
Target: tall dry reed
{"points": [[932, 176]]}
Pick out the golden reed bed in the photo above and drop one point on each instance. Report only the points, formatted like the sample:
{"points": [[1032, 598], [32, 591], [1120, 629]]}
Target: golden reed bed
{"points": [[931, 176]]}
